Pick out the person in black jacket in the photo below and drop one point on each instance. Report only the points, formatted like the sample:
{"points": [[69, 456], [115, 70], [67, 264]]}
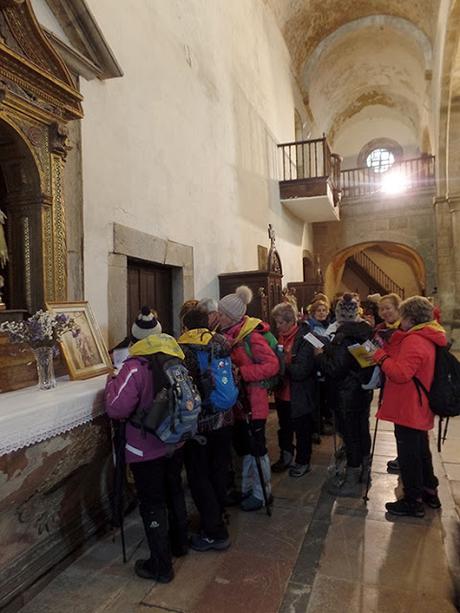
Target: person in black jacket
{"points": [[352, 402], [295, 399]]}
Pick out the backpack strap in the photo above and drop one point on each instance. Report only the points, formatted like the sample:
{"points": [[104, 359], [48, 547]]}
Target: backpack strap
{"points": [[420, 388], [247, 344], [439, 434]]}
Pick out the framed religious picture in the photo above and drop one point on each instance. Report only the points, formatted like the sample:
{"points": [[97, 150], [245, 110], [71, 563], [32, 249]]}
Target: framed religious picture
{"points": [[85, 352]]}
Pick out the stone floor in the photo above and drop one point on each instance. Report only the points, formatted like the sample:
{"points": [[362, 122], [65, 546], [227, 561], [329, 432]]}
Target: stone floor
{"points": [[315, 554]]}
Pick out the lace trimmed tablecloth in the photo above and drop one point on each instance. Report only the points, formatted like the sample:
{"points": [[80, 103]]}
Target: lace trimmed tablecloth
{"points": [[31, 415]]}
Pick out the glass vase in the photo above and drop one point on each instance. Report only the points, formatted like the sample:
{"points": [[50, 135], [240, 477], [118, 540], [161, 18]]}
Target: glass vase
{"points": [[45, 367]]}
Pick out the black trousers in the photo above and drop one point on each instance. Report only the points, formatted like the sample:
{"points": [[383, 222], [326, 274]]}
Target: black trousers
{"points": [[415, 461], [159, 486], [207, 469], [302, 427], [356, 434]]}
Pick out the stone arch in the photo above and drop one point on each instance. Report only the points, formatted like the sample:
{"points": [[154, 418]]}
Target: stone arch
{"points": [[336, 266]]}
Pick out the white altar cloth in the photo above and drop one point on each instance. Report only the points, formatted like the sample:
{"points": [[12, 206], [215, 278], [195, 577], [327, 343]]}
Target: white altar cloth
{"points": [[31, 415]]}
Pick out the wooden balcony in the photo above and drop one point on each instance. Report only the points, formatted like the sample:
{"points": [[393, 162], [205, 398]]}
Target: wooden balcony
{"points": [[404, 176], [310, 176]]}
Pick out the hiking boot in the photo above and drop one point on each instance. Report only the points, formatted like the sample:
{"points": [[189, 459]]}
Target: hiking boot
{"points": [[299, 470], [143, 569], [200, 542], [431, 499], [285, 461], [393, 467], [406, 507], [347, 486]]}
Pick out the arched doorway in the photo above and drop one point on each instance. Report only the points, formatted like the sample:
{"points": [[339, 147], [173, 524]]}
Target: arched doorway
{"points": [[21, 202], [399, 264]]}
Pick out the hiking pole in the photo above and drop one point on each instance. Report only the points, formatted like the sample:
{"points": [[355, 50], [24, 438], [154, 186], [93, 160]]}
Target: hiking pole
{"points": [[371, 459], [336, 459], [119, 479], [446, 425], [258, 464]]}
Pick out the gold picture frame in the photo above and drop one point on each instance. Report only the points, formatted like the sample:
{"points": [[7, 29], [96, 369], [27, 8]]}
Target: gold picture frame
{"points": [[85, 354]]}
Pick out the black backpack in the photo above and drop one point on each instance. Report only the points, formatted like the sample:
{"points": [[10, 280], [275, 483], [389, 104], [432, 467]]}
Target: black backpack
{"points": [[444, 393]]}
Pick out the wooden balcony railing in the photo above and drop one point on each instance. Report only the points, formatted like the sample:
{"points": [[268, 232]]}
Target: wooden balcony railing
{"points": [[413, 174], [309, 162]]}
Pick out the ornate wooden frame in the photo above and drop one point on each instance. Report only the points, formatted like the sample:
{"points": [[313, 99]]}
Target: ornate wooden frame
{"points": [[37, 99], [82, 313]]}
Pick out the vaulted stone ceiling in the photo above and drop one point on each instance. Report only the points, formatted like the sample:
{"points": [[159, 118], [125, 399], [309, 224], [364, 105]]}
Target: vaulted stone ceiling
{"points": [[350, 55]]}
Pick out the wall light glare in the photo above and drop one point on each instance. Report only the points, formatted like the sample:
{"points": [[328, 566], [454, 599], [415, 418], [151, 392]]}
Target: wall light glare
{"points": [[395, 182]]}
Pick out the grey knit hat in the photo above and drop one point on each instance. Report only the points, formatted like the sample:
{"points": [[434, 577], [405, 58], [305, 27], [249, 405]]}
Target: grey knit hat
{"points": [[347, 309], [235, 305], [146, 324]]}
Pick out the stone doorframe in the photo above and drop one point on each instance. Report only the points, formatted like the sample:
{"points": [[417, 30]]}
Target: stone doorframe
{"points": [[131, 243]]}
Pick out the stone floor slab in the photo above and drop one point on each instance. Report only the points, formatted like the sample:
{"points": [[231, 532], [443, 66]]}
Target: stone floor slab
{"points": [[245, 582], [340, 596], [391, 555]]}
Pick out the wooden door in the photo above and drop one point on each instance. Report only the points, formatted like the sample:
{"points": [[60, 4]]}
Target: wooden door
{"points": [[150, 284]]}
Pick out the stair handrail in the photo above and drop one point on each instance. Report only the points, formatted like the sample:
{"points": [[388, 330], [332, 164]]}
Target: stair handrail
{"points": [[374, 271]]}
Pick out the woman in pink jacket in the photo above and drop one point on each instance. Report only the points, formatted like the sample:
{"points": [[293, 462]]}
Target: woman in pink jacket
{"points": [[156, 470], [411, 353], [255, 362]]}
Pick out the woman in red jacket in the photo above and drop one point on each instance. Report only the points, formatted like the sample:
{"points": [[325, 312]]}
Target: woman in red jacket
{"points": [[412, 354], [255, 362]]}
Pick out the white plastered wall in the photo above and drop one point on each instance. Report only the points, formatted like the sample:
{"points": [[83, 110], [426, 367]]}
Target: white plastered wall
{"points": [[183, 147]]}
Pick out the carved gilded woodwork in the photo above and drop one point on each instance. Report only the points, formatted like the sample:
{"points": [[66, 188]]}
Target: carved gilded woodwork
{"points": [[37, 98]]}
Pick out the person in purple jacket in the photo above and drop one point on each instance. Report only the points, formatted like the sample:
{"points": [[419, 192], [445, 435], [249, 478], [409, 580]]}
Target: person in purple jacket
{"points": [[156, 470]]}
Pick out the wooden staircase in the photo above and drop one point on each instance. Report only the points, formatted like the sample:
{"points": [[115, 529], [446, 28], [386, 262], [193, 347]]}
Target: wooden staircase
{"points": [[372, 275]]}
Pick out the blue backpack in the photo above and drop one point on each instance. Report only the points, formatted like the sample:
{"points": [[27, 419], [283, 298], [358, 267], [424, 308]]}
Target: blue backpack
{"points": [[173, 415], [217, 383]]}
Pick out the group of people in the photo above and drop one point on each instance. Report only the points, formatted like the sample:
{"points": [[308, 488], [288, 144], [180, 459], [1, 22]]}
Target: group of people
{"points": [[310, 383]]}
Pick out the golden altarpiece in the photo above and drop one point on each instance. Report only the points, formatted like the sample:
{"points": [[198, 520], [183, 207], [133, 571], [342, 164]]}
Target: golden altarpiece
{"points": [[37, 99], [54, 446]]}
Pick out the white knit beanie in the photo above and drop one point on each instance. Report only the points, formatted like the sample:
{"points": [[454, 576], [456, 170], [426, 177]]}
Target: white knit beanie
{"points": [[347, 308], [235, 305], [146, 324]]}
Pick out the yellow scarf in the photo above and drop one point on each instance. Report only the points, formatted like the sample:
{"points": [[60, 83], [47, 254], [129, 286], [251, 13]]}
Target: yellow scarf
{"points": [[250, 324], [428, 324], [199, 336], [157, 343], [394, 326]]}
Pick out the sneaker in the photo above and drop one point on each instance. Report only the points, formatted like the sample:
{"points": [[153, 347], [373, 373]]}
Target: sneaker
{"points": [[143, 569], [299, 470], [283, 463], [200, 542], [405, 507], [431, 500], [393, 467]]}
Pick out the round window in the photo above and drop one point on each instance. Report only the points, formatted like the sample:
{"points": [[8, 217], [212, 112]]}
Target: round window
{"points": [[380, 160]]}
